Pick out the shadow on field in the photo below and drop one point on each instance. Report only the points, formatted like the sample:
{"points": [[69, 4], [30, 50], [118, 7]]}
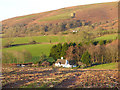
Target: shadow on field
{"points": [[67, 82]]}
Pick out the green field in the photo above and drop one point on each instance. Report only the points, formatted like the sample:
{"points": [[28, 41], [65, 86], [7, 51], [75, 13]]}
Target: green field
{"points": [[105, 66], [35, 50], [57, 17], [107, 37], [21, 40]]}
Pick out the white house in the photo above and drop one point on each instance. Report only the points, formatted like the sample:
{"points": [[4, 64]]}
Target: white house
{"points": [[75, 31], [63, 63]]}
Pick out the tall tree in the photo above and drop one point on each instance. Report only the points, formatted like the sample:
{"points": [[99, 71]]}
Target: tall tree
{"points": [[86, 58], [64, 49]]}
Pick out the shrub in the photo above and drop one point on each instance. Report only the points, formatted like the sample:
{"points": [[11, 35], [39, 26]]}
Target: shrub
{"points": [[51, 60], [101, 42], [33, 42], [108, 41], [94, 42]]}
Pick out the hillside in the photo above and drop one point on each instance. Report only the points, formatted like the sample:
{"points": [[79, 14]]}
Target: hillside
{"points": [[61, 20]]}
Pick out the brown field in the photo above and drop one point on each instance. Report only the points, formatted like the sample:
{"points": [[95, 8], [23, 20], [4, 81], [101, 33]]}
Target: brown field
{"points": [[36, 77]]}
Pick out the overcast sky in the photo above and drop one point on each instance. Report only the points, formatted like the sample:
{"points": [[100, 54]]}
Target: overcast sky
{"points": [[13, 8]]}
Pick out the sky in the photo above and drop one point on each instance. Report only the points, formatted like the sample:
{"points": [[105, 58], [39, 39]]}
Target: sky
{"points": [[13, 8]]}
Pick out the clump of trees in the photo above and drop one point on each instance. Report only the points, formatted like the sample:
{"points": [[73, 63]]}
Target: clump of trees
{"points": [[93, 53]]}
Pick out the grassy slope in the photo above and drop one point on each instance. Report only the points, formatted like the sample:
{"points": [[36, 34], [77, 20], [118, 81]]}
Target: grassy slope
{"points": [[35, 50], [42, 39], [107, 37], [20, 40], [105, 66]]}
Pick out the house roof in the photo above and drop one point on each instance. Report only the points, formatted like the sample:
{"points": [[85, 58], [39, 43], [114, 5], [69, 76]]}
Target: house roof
{"points": [[61, 60]]}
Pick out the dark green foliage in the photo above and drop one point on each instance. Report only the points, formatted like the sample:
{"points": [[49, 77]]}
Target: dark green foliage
{"points": [[55, 51], [72, 44], [108, 41], [59, 49], [86, 58], [64, 49], [80, 44], [94, 42], [50, 60], [44, 58], [101, 42]]}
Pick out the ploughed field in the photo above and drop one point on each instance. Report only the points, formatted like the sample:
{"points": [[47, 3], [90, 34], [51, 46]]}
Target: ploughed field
{"points": [[38, 77]]}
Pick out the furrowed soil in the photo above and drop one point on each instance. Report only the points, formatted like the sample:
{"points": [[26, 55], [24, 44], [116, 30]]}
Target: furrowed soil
{"points": [[38, 77]]}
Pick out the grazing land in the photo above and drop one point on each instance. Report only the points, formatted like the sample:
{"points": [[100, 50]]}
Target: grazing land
{"points": [[35, 50], [105, 66], [107, 37], [38, 39]]}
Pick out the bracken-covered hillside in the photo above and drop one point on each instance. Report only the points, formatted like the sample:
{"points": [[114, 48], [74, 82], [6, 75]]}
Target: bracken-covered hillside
{"points": [[63, 19]]}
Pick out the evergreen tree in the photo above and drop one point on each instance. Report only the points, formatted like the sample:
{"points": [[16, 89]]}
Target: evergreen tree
{"points": [[53, 52], [86, 58], [64, 49], [58, 49]]}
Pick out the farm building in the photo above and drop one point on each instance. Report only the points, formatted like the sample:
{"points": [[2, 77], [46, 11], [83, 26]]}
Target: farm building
{"points": [[63, 63]]}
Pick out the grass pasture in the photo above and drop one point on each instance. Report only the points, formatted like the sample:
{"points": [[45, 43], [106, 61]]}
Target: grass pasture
{"points": [[107, 37], [35, 50], [41, 39], [105, 66]]}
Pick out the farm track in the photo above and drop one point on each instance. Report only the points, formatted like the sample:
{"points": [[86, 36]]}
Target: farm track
{"points": [[62, 78]]}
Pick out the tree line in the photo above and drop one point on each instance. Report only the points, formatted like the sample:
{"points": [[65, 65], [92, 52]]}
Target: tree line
{"points": [[88, 54]]}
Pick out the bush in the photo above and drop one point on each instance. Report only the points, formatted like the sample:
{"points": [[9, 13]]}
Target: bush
{"points": [[108, 41], [33, 42], [101, 42], [94, 42], [51, 60]]}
